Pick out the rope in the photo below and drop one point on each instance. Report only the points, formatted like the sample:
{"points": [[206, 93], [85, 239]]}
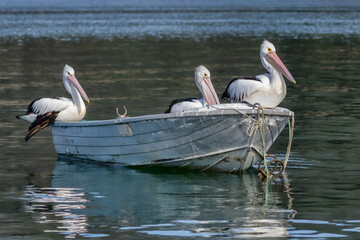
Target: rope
{"points": [[262, 133], [252, 127], [244, 114], [259, 123], [291, 136], [275, 160], [273, 172]]}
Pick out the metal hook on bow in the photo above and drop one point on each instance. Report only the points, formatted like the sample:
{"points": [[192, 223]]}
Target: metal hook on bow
{"points": [[121, 115]]}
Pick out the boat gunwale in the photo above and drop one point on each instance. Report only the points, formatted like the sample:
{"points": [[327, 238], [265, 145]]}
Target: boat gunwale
{"points": [[220, 110]]}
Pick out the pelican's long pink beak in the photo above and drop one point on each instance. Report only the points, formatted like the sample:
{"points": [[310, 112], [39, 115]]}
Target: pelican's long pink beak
{"points": [[274, 60], [209, 92], [77, 85]]}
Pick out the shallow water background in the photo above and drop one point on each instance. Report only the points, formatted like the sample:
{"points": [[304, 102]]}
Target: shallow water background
{"points": [[142, 55]]}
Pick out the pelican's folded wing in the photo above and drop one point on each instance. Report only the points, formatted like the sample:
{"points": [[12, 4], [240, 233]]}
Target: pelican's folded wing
{"points": [[44, 105], [240, 88]]}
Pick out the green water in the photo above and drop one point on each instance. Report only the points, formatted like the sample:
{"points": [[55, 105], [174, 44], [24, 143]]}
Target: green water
{"points": [[44, 198], [318, 196]]}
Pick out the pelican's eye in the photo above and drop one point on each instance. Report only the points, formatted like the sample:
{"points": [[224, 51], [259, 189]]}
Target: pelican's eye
{"points": [[68, 73], [205, 75], [269, 50]]}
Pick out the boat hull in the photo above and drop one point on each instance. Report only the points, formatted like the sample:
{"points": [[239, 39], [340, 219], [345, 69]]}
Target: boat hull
{"points": [[216, 139]]}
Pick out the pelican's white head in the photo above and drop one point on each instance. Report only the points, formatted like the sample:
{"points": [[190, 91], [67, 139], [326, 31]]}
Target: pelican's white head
{"points": [[70, 81], [266, 47], [203, 82], [270, 60]]}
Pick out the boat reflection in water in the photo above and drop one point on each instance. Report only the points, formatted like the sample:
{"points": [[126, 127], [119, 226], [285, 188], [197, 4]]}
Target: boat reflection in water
{"points": [[92, 200]]}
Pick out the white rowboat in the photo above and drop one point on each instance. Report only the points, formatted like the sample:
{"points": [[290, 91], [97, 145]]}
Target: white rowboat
{"points": [[220, 138]]}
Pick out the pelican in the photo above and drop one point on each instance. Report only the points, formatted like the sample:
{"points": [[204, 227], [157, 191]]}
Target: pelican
{"points": [[267, 89], [44, 111], [203, 82]]}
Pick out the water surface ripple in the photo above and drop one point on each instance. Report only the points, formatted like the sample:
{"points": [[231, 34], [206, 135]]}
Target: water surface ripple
{"points": [[194, 19], [142, 54]]}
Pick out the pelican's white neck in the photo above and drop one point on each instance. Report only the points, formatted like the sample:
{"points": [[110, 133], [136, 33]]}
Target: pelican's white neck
{"points": [[266, 64], [197, 81], [275, 74], [76, 97], [77, 100], [277, 83]]}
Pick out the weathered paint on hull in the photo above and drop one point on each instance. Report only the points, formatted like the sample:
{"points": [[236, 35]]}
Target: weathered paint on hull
{"points": [[206, 140]]}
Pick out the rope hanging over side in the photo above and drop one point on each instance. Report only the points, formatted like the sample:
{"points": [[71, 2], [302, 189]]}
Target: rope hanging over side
{"points": [[263, 141], [291, 136], [275, 165]]}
